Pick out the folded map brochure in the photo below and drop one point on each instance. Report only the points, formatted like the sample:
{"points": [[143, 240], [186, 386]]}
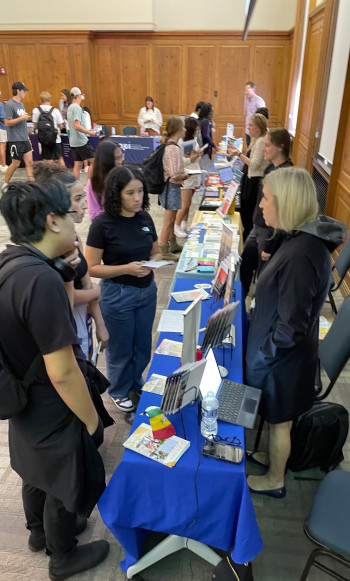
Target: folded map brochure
{"points": [[169, 347], [166, 452], [190, 295], [156, 383]]}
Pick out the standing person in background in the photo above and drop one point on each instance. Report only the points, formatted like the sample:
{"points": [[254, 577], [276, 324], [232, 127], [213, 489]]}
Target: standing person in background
{"points": [[261, 242], [53, 151], [174, 175], [256, 165], [204, 120], [197, 109], [150, 118], [109, 155], [252, 102], [191, 161], [16, 119], [89, 125], [78, 134], [3, 138], [64, 103], [119, 242]]}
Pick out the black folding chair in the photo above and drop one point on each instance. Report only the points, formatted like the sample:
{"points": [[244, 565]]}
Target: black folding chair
{"points": [[129, 130], [340, 266], [327, 525]]}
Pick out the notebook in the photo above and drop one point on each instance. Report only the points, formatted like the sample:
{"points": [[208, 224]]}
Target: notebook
{"points": [[238, 404]]}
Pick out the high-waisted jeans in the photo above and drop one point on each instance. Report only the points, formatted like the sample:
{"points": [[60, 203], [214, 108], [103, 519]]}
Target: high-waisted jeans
{"points": [[128, 312]]}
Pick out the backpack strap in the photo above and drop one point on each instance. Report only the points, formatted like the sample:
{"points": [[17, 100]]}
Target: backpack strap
{"points": [[52, 108], [11, 266], [40, 109]]}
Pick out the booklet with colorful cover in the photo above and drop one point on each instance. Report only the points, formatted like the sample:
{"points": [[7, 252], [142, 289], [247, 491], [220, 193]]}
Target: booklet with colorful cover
{"points": [[167, 452]]}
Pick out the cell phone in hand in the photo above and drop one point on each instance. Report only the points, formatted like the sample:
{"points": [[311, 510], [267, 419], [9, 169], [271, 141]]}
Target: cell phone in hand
{"points": [[222, 451], [204, 147]]}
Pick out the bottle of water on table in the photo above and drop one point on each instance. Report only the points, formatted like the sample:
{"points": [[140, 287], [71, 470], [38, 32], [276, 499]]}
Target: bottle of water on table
{"points": [[209, 423]]}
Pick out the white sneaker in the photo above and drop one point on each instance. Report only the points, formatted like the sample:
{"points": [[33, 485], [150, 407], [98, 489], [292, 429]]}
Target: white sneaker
{"points": [[179, 232], [3, 168], [124, 404], [4, 186]]}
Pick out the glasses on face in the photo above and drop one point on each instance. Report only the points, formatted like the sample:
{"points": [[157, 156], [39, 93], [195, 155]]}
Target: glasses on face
{"points": [[228, 440]]}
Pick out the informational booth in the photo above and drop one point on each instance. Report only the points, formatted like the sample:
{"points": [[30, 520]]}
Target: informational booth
{"points": [[136, 147]]}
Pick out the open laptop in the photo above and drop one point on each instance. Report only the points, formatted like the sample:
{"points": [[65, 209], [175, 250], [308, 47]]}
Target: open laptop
{"points": [[238, 404]]}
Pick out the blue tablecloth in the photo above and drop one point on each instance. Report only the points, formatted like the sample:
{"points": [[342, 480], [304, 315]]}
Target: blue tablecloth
{"points": [[204, 499], [136, 147]]}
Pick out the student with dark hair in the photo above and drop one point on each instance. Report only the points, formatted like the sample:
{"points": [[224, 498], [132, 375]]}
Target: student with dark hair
{"points": [[19, 145], [204, 119], [84, 294], [108, 155], [197, 109], [150, 118], [120, 241], [261, 242], [53, 440], [263, 111], [64, 103]]}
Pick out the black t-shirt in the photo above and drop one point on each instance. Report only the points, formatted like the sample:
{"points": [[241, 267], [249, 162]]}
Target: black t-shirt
{"points": [[80, 271], [35, 313], [124, 240]]}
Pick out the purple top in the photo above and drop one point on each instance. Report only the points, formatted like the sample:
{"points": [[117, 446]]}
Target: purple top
{"points": [[250, 106], [94, 207]]}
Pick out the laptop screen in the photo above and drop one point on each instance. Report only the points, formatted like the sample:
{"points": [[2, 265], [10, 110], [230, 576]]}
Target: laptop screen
{"points": [[211, 379]]}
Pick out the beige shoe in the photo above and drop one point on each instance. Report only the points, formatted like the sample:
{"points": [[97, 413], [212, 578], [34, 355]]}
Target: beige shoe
{"points": [[174, 246], [166, 254]]}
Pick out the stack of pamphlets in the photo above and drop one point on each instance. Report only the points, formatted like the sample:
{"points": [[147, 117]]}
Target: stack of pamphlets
{"points": [[218, 326], [155, 383], [167, 452], [182, 387]]}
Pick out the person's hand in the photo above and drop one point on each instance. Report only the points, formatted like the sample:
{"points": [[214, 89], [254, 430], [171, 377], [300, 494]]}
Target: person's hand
{"points": [[102, 335], [92, 132], [93, 425], [96, 287], [194, 155], [232, 150], [26, 117], [265, 256], [72, 257], [136, 269]]}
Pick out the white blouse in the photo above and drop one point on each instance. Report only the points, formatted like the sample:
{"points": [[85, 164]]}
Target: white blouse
{"points": [[150, 119]]}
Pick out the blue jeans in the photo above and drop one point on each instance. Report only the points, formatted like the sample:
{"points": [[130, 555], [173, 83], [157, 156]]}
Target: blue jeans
{"points": [[128, 312]]}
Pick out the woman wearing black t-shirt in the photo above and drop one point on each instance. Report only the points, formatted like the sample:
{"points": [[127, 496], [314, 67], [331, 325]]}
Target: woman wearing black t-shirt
{"points": [[119, 242]]}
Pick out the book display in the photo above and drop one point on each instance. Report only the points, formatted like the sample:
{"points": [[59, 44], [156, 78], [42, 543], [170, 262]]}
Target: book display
{"points": [[166, 452]]}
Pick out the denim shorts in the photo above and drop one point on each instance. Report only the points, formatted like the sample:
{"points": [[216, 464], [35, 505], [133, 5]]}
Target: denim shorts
{"points": [[170, 198]]}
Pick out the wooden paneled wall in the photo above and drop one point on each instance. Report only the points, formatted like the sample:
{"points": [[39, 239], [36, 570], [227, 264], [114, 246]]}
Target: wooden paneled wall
{"points": [[117, 70]]}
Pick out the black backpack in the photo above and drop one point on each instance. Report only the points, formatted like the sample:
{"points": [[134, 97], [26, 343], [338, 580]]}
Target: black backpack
{"points": [[13, 392], [153, 171], [318, 436], [47, 132]]}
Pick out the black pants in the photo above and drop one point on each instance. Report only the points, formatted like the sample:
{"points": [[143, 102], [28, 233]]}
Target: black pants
{"points": [[251, 256], [247, 138], [46, 513]]}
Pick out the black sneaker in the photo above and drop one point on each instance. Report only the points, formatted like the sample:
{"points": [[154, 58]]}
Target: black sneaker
{"points": [[124, 404], [79, 559]]}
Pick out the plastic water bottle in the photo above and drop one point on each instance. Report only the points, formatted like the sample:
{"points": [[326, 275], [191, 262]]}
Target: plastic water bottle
{"points": [[113, 130], [209, 423]]}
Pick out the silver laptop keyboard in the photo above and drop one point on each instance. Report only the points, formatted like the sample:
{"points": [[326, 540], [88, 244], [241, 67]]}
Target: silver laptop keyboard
{"points": [[230, 400]]}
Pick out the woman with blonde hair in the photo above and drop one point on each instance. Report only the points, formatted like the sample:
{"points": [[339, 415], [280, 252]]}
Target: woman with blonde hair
{"points": [[283, 335], [254, 160], [174, 175]]}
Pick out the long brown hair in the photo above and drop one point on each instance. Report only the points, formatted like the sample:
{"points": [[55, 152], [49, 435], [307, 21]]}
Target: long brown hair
{"points": [[173, 125]]}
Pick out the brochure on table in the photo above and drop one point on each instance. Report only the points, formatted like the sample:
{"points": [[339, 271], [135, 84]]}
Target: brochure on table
{"points": [[166, 452]]}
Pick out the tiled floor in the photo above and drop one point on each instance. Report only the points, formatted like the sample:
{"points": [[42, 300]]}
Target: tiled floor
{"points": [[280, 521]]}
